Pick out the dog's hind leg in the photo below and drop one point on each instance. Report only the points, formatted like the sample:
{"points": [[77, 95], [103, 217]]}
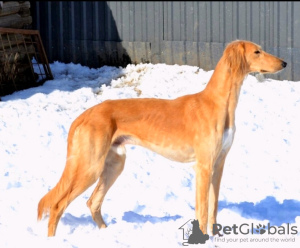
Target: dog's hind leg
{"points": [[85, 163], [78, 183], [114, 165]]}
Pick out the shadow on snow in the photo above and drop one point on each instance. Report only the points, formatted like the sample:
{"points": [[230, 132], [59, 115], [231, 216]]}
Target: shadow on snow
{"points": [[268, 209]]}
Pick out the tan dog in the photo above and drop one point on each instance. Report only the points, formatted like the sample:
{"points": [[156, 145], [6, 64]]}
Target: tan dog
{"points": [[198, 127]]}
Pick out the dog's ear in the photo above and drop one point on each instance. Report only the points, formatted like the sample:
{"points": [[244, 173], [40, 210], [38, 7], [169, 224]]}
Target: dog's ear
{"points": [[241, 56], [235, 57]]}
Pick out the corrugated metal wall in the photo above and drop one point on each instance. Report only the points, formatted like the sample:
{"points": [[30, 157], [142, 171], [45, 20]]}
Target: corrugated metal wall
{"points": [[193, 33]]}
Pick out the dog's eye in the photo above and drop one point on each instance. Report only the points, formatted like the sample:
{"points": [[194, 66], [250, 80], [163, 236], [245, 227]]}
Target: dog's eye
{"points": [[257, 52]]}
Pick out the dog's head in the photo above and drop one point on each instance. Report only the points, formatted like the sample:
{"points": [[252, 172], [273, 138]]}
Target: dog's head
{"points": [[245, 57]]}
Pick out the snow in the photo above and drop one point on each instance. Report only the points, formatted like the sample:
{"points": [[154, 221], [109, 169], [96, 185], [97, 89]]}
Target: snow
{"points": [[154, 196]]}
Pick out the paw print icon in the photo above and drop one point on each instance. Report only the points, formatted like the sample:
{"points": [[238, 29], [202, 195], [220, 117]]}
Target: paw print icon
{"points": [[260, 229]]}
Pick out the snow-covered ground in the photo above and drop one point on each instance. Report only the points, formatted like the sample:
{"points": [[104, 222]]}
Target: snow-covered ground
{"points": [[154, 196]]}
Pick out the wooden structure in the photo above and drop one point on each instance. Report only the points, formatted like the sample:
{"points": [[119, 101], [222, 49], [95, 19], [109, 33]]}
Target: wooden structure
{"points": [[15, 14], [23, 62]]}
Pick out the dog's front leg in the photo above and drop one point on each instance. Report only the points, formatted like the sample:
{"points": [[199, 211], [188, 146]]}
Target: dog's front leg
{"points": [[203, 180], [214, 190]]}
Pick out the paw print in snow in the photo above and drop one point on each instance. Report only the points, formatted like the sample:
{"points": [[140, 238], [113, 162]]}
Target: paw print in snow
{"points": [[259, 230]]}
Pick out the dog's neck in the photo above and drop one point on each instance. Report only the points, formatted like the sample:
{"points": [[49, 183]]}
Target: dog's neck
{"points": [[224, 90]]}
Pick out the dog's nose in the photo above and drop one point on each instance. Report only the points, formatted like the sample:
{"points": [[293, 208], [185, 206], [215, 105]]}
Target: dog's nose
{"points": [[284, 64]]}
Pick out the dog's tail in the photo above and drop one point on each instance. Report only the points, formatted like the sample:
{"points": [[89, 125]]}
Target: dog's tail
{"points": [[58, 195], [57, 199]]}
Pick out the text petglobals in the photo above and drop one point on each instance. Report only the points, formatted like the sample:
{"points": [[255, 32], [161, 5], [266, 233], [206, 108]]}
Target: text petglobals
{"points": [[251, 229]]}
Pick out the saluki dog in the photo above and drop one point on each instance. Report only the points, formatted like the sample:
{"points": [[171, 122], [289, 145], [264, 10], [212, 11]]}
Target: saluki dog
{"points": [[197, 127]]}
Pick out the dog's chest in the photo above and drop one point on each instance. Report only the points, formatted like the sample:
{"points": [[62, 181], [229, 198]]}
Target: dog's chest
{"points": [[227, 139]]}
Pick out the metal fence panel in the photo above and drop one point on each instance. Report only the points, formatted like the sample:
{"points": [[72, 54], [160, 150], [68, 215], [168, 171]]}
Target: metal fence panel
{"points": [[95, 33]]}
